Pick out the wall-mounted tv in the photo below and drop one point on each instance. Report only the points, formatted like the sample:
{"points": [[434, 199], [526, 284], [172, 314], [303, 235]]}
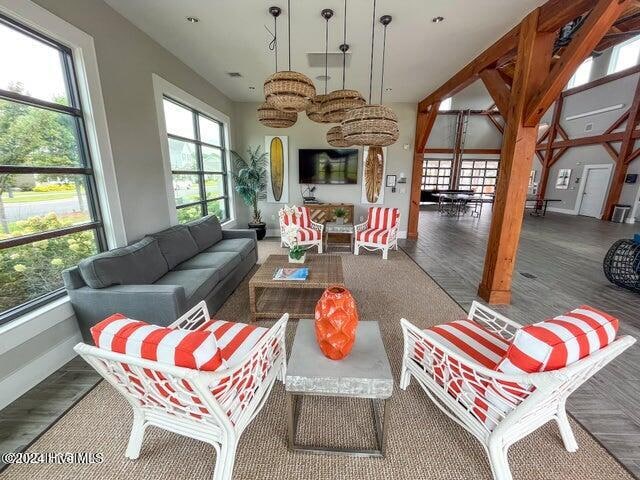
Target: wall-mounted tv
{"points": [[328, 166]]}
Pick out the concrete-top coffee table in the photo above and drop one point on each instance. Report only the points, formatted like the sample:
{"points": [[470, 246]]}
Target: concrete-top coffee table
{"points": [[365, 373]]}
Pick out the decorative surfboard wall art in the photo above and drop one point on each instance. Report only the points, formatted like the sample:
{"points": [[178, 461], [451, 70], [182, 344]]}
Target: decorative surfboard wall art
{"points": [[277, 168], [373, 172]]}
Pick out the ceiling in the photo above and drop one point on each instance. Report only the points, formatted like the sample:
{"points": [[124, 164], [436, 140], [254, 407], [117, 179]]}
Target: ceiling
{"points": [[231, 37]]}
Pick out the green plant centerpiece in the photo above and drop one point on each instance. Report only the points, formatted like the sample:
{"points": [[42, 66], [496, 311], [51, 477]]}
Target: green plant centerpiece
{"points": [[297, 253], [250, 178], [340, 214]]}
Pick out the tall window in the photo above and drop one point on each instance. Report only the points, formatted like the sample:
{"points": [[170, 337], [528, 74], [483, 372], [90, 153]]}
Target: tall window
{"points": [[625, 55], [479, 176], [198, 162], [582, 75], [49, 217], [436, 174], [446, 104]]}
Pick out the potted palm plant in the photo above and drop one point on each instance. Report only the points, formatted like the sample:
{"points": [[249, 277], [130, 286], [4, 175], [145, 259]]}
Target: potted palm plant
{"points": [[250, 177]]}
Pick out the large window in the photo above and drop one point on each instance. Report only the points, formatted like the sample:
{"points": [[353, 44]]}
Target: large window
{"points": [[198, 162], [49, 218], [625, 55], [582, 75], [436, 174], [479, 176]]}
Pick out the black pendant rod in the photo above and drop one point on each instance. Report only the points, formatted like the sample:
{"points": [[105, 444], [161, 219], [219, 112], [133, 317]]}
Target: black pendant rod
{"points": [[275, 38], [326, 53], [373, 36], [384, 48], [289, 21], [344, 52]]}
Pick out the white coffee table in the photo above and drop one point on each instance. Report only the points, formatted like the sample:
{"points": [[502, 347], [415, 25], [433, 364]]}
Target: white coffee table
{"points": [[365, 373]]}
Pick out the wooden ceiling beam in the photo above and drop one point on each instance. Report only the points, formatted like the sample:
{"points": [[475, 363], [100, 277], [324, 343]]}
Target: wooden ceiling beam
{"points": [[555, 14], [498, 90], [600, 20]]}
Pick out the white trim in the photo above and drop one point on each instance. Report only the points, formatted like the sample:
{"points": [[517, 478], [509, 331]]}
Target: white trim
{"points": [[95, 117], [566, 211], [634, 208], [583, 183], [595, 112], [162, 87]]}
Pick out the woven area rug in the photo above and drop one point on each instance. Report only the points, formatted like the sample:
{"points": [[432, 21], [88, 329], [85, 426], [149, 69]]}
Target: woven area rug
{"points": [[422, 442]]}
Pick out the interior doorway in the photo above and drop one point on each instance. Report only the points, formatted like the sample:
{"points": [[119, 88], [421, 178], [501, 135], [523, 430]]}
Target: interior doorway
{"points": [[593, 190]]}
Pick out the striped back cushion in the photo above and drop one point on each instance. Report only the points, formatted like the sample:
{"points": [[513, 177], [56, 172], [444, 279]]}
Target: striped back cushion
{"points": [[302, 219], [383, 218], [183, 348], [559, 342]]}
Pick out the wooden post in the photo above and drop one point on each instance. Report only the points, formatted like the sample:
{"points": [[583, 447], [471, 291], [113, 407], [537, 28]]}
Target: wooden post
{"points": [[519, 144], [424, 125], [548, 156]]}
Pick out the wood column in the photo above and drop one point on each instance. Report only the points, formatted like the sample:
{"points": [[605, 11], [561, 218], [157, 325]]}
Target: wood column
{"points": [[425, 120], [519, 145], [547, 162]]}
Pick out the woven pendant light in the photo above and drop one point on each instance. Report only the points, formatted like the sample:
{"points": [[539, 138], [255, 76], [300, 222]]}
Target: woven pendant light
{"points": [[273, 118], [314, 109], [289, 91], [340, 101], [372, 125], [336, 139]]}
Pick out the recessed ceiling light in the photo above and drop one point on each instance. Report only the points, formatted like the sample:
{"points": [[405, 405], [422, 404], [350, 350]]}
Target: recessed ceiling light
{"points": [[252, 88], [234, 74], [323, 77], [437, 19], [193, 19], [388, 89]]}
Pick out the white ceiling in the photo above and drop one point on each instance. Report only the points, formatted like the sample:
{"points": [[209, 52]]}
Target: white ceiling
{"points": [[231, 37]]}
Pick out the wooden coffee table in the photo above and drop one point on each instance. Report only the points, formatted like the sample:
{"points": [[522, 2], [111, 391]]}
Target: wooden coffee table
{"points": [[269, 298]]}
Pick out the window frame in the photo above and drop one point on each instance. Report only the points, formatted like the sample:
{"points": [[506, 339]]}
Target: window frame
{"points": [[76, 111], [484, 176], [615, 55], [573, 81], [424, 186]]}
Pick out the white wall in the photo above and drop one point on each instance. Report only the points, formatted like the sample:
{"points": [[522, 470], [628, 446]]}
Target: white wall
{"points": [[308, 134]]}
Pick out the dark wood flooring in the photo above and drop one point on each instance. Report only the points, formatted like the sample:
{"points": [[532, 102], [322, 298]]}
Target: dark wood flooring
{"points": [[559, 267]]}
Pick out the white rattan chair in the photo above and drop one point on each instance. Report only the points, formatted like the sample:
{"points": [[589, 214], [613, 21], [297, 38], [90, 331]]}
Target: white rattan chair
{"points": [[214, 407], [379, 232], [309, 232], [513, 406]]}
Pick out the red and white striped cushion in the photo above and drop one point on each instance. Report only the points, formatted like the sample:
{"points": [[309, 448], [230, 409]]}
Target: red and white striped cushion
{"points": [[302, 219], [198, 350], [382, 218], [559, 342], [373, 235], [308, 234]]}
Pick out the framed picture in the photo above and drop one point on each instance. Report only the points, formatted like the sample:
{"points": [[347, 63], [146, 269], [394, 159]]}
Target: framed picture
{"points": [[564, 176], [391, 180], [277, 148], [373, 170]]}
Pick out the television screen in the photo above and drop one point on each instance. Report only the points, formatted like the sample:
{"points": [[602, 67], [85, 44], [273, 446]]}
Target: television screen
{"points": [[337, 166]]}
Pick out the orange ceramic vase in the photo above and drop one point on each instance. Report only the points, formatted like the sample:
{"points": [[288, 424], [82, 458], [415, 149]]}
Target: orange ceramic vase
{"points": [[336, 322]]}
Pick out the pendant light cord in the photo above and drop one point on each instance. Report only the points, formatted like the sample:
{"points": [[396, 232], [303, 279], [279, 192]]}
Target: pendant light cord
{"points": [[326, 54], [373, 36], [289, 21], [275, 39], [384, 48], [344, 52]]}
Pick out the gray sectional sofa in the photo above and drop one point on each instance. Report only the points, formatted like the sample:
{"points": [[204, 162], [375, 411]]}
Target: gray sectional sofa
{"points": [[163, 275]]}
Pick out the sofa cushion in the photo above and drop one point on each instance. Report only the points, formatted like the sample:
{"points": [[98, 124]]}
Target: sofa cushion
{"points": [[225, 262], [176, 244], [183, 348], [139, 263], [205, 231], [197, 283], [559, 342], [243, 246]]}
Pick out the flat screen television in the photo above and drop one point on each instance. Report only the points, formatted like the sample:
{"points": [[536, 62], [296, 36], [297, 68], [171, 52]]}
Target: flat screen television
{"points": [[328, 166]]}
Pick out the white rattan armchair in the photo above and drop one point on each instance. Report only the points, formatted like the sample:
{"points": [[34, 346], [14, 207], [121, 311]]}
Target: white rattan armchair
{"points": [[372, 235], [310, 233], [214, 407], [497, 408]]}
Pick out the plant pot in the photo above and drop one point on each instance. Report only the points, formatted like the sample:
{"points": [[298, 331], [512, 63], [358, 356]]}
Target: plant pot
{"points": [[260, 228], [299, 260], [336, 322], [340, 220]]}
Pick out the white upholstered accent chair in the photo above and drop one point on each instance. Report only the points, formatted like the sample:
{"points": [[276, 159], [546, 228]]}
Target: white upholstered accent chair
{"points": [[309, 232], [214, 407], [379, 232], [497, 408]]}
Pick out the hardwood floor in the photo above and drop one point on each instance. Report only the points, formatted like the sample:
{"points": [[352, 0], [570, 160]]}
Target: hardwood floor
{"points": [[559, 267]]}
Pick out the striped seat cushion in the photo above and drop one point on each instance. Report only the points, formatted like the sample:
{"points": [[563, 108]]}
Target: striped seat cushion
{"points": [[560, 341], [299, 217], [308, 234], [382, 218], [197, 350], [373, 235]]}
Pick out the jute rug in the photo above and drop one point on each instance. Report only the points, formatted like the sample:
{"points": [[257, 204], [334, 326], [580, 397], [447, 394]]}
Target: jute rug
{"points": [[422, 442]]}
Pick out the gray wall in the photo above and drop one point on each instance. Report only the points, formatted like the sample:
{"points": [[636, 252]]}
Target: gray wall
{"points": [[126, 59], [307, 134]]}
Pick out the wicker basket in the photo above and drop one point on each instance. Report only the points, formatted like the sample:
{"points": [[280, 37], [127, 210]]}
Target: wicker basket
{"points": [[335, 138], [314, 109], [372, 125], [289, 91], [274, 118], [339, 102]]}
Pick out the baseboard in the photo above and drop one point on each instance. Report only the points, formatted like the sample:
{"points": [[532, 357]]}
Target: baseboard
{"points": [[565, 211], [28, 376]]}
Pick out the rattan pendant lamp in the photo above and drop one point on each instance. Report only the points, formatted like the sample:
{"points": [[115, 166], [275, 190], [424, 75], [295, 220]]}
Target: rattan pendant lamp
{"points": [[289, 91], [339, 101], [372, 125], [313, 110], [268, 115]]}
